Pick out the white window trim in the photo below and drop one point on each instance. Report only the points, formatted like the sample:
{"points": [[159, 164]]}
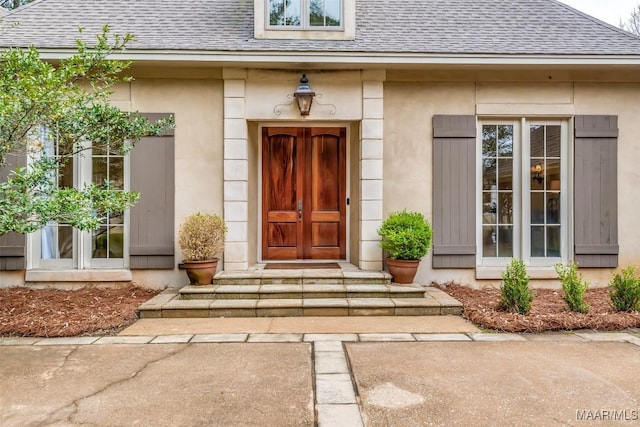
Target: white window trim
{"points": [[346, 32], [492, 268]]}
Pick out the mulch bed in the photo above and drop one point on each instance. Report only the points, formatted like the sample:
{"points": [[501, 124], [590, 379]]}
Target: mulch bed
{"points": [[57, 313], [548, 311]]}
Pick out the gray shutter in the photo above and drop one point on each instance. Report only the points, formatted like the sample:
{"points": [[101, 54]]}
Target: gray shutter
{"points": [[596, 191], [454, 191], [152, 218], [12, 245]]}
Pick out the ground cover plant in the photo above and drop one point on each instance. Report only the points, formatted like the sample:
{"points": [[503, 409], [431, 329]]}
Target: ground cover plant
{"points": [[57, 313]]}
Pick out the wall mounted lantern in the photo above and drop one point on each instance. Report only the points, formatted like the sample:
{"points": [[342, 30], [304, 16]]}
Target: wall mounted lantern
{"points": [[304, 96]]}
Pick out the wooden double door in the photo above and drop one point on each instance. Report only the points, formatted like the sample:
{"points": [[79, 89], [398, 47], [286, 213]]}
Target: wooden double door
{"points": [[304, 193]]}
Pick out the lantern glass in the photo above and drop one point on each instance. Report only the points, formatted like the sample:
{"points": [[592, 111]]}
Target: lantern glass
{"points": [[304, 96]]}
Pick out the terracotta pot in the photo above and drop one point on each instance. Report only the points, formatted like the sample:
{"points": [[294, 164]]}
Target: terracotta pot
{"points": [[403, 271], [201, 272]]}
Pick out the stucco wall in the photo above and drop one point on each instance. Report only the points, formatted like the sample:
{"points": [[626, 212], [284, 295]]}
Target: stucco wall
{"points": [[197, 105], [409, 107]]}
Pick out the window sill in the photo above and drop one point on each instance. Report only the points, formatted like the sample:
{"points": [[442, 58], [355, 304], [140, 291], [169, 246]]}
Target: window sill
{"points": [[535, 273], [102, 275]]}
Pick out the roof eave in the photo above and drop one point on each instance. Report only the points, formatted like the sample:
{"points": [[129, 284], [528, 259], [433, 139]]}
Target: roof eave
{"points": [[360, 59]]}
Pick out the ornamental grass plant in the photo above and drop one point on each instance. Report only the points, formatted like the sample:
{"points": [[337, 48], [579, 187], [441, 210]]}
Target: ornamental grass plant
{"points": [[201, 236]]}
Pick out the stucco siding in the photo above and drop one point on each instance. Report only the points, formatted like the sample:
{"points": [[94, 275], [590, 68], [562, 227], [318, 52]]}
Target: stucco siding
{"points": [[409, 109], [197, 105]]}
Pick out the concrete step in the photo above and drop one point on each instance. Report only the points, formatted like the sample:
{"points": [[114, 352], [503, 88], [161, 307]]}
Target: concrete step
{"points": [[298, 291], [302, 277], [170, 305]]}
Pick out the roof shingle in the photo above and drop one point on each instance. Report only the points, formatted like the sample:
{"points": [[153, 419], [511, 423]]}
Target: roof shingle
{"points": [[493, 27]]}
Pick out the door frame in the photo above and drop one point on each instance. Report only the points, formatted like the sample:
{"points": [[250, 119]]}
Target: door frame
{"points": [[347, 184]]}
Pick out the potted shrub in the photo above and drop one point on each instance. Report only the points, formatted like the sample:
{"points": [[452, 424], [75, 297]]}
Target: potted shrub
{"points": [[201, 238], [406, 236]]}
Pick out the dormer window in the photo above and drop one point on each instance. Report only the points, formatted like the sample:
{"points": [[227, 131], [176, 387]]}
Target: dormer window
{"points": [[305, 19], [305, 14]]}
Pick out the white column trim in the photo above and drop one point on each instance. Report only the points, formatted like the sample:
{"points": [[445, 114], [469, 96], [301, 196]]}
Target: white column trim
{"points": [[236, 170], [371, 169]]}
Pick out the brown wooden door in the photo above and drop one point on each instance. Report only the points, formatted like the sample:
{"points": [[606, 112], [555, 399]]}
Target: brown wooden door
{"points": [[303, 193]]}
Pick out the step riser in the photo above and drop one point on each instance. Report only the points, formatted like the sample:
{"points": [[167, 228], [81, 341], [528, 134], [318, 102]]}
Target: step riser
{"points": [[301, 312], [296, 295], [296, 301], [301, 281]]}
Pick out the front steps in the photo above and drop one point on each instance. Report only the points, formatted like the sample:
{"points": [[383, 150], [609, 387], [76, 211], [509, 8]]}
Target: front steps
{"points": [[296, 293]]}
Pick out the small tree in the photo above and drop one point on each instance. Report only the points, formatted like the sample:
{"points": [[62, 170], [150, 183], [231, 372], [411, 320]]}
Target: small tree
{"points": [[574, 287], [72, 100], [515, 293]]}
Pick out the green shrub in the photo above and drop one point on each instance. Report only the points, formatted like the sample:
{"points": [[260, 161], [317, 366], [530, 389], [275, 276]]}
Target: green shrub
{"points": [[515, 293], [625, 290], [406, 235], [574, 287]]}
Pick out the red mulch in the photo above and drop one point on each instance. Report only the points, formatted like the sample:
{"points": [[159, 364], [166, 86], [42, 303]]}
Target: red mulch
{"points": [[56, 313], [548, 312]]}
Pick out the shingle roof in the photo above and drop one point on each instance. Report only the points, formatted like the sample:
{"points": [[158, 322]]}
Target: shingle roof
{"points": [[494, 27]]}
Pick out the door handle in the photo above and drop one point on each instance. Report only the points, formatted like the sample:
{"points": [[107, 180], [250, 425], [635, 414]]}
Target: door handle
{"points": [[300, 210]]}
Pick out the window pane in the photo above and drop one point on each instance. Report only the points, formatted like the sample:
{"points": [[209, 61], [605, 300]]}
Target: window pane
{"points": [[505, 208], [116, 172], [537, 208], [505, 141], [116, 241], [65, 177], [100, 242], [324, 13], [537, 174], [100, 170], [489, 242], [553, 208], [489, 174], [489, 207], [537, 241], [284, 12], [505, 242], [56, 242], [107, 242], [553, 242], [553, 141], [537, 141], [505, 174], [552, 173], [489, 141]]}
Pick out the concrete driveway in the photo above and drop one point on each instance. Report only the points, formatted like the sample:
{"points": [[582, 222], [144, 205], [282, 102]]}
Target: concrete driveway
{"points": [[200, 375]]}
